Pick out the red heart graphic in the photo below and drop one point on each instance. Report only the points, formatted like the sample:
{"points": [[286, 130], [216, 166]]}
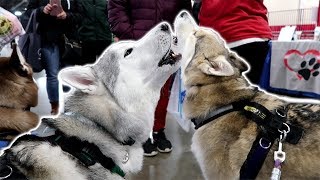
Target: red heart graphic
{"points": [[313, 52]]}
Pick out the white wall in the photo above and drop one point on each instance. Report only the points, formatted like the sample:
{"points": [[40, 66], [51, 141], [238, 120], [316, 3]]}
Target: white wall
{"points": [[309, 3], [280, 5]]}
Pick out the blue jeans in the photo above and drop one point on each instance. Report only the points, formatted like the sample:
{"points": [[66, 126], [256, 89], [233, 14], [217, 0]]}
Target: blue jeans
{"points": [[51, 58]]}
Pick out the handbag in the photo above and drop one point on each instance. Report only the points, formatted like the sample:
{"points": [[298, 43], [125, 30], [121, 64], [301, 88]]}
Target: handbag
{"points": [[72, 52], [30, 44]]}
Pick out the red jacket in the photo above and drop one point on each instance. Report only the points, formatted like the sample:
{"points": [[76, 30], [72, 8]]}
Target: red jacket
{"points": [[236, 19], [131, 19]]}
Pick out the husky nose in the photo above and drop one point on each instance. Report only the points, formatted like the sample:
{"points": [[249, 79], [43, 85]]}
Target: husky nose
{"points": [[164, 27], [183, 14]]}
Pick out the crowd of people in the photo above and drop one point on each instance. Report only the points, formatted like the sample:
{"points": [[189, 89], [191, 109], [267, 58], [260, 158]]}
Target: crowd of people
{"points": [[98, 23]]}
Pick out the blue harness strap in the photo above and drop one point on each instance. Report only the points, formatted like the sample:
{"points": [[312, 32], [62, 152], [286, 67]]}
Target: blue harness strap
{"points": [[256, 157]]}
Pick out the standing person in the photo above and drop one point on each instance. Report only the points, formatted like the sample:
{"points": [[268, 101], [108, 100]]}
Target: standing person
{"points": [[94, 32], [244, 25], [131, 20], [52, 28]]}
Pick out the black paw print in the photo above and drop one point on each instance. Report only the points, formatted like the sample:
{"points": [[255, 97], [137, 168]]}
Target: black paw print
{"points": [[307, 71]]}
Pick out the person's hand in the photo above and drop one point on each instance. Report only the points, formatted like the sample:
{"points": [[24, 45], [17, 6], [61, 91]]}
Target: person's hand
{"points": [[115, 39], [47, 9], [62, 15]]}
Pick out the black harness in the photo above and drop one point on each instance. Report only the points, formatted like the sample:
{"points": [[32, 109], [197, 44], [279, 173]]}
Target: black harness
{"points": [[271, 126], [87, 153]]}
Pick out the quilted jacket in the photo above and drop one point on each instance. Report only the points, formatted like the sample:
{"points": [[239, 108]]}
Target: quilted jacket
{"points": [[131, 19]]}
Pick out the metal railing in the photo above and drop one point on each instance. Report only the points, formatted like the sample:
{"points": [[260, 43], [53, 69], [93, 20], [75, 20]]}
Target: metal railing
{"points": [[304, 19]]}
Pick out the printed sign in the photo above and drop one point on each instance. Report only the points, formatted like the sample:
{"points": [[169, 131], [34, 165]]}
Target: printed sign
{"points": [[296, 66]]}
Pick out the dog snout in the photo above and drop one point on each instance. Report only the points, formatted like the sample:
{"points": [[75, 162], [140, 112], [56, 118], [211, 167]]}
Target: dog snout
{"points": [[164, 27], [183, 14]]}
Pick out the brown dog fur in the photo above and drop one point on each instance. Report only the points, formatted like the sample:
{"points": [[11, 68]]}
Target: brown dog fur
{"points": [[222, 145], [18, 92]]}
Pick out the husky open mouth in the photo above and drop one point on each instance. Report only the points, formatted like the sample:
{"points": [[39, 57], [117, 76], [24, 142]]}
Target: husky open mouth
{"points": [[169, 58]]}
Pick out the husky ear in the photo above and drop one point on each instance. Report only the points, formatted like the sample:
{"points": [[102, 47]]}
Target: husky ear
{"points": [[217, 67], [80, 77], [18, 62], [239, 62]]}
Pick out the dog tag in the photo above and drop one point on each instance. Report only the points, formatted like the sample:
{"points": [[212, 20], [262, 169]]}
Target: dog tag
{"points": [[126, 158]]}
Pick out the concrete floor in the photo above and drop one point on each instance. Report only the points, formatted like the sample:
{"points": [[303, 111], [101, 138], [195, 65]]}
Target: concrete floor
{"points": [[180, 164]]}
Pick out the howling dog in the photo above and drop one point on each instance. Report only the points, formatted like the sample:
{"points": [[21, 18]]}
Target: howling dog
{"points": [[241, 132], [107, 117]]}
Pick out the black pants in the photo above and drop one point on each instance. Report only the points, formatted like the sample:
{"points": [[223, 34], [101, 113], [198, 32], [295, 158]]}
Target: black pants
{"points": [[92, 49], [255, 54]]}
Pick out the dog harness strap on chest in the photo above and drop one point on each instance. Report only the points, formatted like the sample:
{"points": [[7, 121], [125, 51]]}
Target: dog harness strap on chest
{"points": [[268, 122], [271, 125], [88, 153]]}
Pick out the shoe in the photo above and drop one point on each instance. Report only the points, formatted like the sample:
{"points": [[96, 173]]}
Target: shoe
{"points": [[163, 144], [54, 108], [149, 148]]}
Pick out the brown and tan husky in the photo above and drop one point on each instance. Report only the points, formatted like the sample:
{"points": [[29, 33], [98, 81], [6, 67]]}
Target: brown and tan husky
{"points": [[213, 78], [18, 92]]}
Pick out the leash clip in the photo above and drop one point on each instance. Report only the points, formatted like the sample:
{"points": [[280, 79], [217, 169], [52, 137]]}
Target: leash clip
{"points": [[284, 132], [279, 157]]}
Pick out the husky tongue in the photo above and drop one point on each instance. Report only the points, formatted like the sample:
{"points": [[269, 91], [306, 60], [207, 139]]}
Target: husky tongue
{"points": [[170, 59]]}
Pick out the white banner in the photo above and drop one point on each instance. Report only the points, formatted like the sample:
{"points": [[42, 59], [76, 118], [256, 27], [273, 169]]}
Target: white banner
{"points": [[295, 65]]}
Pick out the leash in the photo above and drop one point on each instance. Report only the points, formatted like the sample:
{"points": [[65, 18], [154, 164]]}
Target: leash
{"points": [[271, 125]]}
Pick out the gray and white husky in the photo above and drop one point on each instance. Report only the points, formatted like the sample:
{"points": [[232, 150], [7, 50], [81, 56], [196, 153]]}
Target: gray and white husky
{"points": [[107, 117]]}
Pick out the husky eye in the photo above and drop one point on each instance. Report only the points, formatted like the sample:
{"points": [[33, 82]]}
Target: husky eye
{"points": [[128, 51]]}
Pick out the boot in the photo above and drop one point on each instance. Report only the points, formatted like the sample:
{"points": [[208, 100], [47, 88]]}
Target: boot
{"points": [[54, 108]]}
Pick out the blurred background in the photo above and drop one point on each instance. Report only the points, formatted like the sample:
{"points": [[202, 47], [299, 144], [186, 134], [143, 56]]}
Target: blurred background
{"points": [[15, 6]]}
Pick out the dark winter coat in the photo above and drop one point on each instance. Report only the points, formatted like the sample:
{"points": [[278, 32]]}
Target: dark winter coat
{"points": [[95, 24], [131, 19], [50, 28]]}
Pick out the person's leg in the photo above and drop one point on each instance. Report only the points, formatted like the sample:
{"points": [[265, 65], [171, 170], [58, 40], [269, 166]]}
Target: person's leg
{"points": [[255, 54], [161, 109], [50, 57], [163, 144], [160, 142]]}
